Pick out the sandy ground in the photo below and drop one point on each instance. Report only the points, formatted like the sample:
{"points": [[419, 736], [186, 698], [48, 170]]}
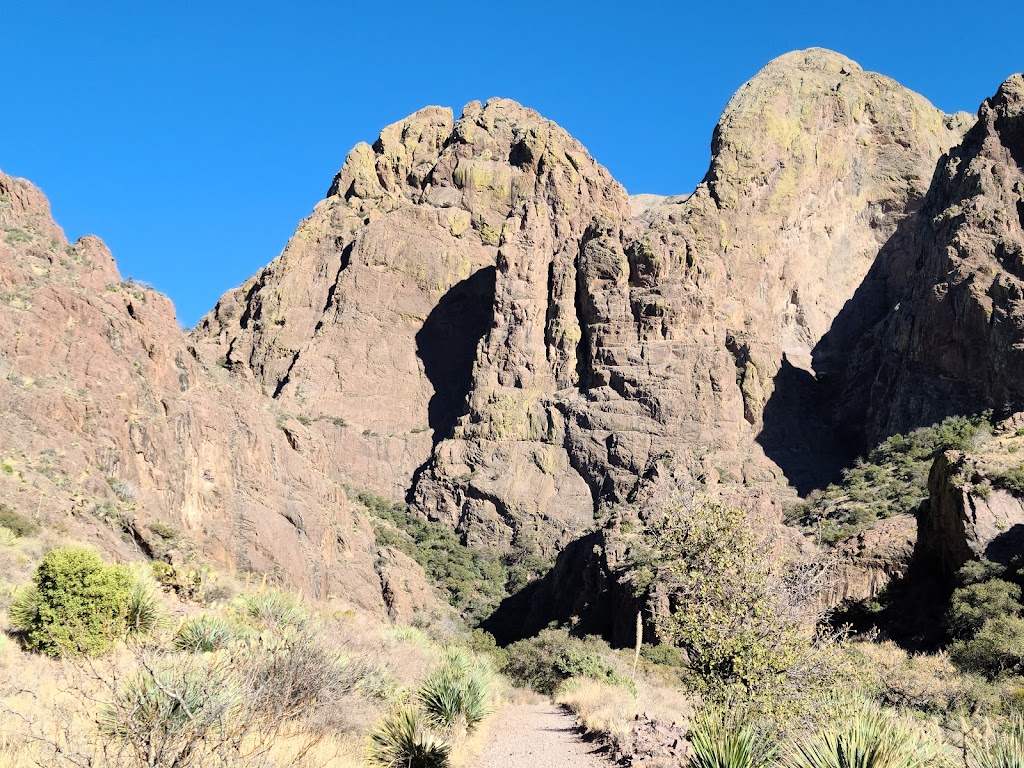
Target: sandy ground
{"points": [[538, 735]]}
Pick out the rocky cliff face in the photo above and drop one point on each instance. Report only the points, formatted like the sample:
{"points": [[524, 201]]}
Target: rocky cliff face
{"points": [[112, 424], [477, 315], [941, 313]]}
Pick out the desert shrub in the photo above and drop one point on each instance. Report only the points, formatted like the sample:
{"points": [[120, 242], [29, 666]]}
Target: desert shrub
{"points": [[77, 605], [8, 538], [1011, 480], [401, 741], [870, 739], [17, 523], [544, 661], [724, 596], [891, 480], [998, 748], [927, 683], [473, 580], [971, 606], [457, 693], [174, 716], [205, 633], [997, 648], [721, 740]]}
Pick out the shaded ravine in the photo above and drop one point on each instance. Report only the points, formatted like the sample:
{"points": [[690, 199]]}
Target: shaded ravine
{"points": [[538, 735]]}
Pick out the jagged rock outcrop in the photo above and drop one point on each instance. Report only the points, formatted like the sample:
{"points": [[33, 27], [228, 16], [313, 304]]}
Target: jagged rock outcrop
{"points": [[941, 314], [970, 513], [112, 423], [479, 317]]}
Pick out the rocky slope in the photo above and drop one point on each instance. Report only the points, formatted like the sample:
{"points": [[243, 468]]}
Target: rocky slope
{"points": [[477, 316], [112, 425]]}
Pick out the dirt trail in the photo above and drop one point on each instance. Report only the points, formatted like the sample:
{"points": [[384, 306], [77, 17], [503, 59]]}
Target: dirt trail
{"points": [[538, 735]]}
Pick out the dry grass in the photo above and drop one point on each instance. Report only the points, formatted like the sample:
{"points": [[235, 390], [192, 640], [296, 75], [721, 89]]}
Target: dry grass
{"points": [[611, 709], [49, 709]]}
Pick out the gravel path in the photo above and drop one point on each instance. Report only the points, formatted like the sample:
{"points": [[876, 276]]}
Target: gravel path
{"points": [[538, 736]]}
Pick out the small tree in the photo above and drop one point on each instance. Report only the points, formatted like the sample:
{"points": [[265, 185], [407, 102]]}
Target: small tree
{"points": [[77, 604], [723, 590]]}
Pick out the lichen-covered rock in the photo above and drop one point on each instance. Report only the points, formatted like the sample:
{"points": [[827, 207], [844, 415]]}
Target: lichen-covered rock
{"points": [[941, 317], [479, 317]]}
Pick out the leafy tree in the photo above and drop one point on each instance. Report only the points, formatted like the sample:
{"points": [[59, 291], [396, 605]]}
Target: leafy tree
{"points": [[724, 596], [973, 605]]}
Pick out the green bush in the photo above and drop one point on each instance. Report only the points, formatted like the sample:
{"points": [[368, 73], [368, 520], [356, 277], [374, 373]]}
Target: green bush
{"points": [[997, 648], [474, 580], [1011, 480], [544, 661], [77, 604], [402, 742], [721, 741], [891, 480], [724, 597], [16, 522], [971, 606]]}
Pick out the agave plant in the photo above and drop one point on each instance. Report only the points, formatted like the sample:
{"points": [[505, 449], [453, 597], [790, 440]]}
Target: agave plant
{"points": [[401, 742], [871, 739], [999, 749], [723, 741]]}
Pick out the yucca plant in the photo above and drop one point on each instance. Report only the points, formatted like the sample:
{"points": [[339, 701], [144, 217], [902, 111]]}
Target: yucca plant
{"points": [[723, 741], [205, 633], [401, 742], [457, 693], [277, 611], [999, 749], [871, 739], [24, 610], [144, 609]]}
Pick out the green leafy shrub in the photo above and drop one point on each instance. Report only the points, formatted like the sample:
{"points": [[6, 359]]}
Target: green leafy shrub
{"points": [[77, 605], [17, 523], [723, 594], [891, 480], [402, 742], [1011, 480], [474, 580], [997, 648], [971, 606], [721, 741], [871, 739], [544, 661]]}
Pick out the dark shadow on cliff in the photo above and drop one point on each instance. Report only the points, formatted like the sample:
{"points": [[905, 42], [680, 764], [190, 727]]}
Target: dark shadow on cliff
{"points": [[447, 345], [577, 592], [816, 424], [1007, 546]]}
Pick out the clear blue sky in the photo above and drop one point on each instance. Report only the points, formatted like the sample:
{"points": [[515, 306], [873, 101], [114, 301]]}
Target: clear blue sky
{"points": [[192, 137]]}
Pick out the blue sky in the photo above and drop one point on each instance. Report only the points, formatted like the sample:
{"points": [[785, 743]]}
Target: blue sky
{"points": [[192, 137]]}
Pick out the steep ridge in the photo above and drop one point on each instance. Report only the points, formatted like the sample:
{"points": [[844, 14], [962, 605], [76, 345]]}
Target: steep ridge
{"points": [[113, 424], [940, 318], [587, 337]]}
